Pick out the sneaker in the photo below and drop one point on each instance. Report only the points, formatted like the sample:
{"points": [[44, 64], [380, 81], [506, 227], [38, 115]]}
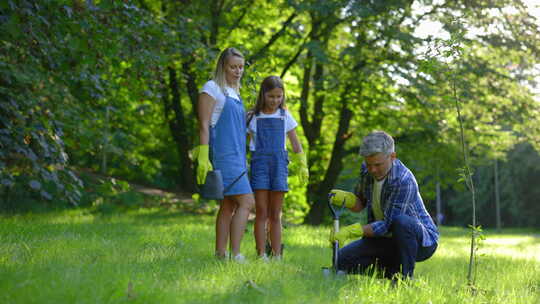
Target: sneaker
{"points": [[276, 258], [268, 249], [264, 257], [240, 259], [220, 257]]}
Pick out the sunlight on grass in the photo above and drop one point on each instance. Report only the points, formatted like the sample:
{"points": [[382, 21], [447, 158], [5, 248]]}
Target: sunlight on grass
{"points": [[154, 256], [526, 247], [517, 247]]}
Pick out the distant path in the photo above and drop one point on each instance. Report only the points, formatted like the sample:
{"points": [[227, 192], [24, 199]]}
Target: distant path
{"points": [[176, 196], [173, 196]]}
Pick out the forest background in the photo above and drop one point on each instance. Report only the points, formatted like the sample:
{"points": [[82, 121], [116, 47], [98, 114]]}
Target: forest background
{"points": [[111, 87]]}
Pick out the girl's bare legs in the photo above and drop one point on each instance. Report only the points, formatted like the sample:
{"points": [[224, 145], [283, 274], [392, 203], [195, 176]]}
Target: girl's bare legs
{"points": [[261, 215], [274, 218], [223, 224], [244, 205]]}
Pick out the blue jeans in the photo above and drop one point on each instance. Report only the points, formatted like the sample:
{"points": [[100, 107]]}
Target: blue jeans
{"points": [[387, 254]]}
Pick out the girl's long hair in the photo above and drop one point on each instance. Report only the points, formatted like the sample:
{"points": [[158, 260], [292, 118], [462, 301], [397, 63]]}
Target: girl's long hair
{"points": [[268, 84], [219, 74]]}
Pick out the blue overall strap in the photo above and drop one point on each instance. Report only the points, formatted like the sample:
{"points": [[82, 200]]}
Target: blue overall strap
{"points": [[270, 134]]}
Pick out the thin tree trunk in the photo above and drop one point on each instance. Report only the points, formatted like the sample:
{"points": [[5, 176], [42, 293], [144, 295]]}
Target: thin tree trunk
{"points": [[105, 143], [497, 198], [439, 207]]}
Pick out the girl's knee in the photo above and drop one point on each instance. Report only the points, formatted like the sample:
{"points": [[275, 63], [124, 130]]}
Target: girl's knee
{"points": [[261, 215], [274, 217]]}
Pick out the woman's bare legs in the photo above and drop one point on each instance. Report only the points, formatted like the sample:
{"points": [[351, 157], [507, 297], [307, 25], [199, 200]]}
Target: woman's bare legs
{"points": [[274, 219], [261, 215], [231, 220], [223, 224], [244, 205]]}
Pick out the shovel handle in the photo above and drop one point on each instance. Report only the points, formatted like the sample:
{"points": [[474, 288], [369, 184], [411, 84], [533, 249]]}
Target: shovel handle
{"points": [[335, 252], [335, 215]]}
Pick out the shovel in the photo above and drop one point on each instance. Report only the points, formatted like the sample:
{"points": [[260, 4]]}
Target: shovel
{"points": [[335, 246]]}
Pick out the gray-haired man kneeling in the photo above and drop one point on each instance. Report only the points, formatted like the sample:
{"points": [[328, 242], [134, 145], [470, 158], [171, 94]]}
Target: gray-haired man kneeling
{"points": [[400, 232]]}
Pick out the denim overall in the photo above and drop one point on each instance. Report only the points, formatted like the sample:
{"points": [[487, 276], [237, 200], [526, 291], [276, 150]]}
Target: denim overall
{"points": [[228, 147], [269, 161]]}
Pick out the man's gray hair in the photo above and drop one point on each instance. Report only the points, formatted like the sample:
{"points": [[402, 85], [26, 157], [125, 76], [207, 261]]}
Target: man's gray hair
{"points": [[377, 142]]}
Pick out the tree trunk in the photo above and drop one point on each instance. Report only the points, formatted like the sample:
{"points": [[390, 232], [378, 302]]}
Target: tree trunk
{"points": [[497, 198], [180, 133], [439, 216], [215, 19], [318, 192], [191, 85], [105, 148]]}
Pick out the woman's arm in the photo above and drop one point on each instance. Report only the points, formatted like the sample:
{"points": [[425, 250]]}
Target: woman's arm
{"points": [[205, 107]]}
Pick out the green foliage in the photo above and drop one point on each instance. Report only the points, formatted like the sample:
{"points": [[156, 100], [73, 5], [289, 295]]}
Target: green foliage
{"points": [[295, 205], [518, 201], [112, 86], [112, 195], [50, 80]]}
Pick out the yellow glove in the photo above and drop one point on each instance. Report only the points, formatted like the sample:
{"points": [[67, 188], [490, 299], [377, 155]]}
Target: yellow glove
{"points": [[300, 163], [200, 153], [346, 233], [340, 196]]}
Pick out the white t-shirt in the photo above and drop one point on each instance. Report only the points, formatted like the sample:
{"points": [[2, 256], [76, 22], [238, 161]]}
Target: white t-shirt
{"points": [[211, 88], [290, 124]]}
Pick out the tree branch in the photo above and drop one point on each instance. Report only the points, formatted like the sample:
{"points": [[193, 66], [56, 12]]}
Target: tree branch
{"points": [[239, 19], [293, 60], [273, 39]]}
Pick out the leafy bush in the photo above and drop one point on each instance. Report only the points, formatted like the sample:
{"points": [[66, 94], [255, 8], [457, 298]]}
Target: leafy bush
{"points": [[113, 195]]}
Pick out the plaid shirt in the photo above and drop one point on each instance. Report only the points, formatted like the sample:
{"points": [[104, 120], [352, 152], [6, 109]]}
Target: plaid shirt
{"points": [[399, 195]]}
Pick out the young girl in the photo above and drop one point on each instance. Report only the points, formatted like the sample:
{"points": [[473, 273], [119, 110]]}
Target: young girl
{"points": [[268, 123]]}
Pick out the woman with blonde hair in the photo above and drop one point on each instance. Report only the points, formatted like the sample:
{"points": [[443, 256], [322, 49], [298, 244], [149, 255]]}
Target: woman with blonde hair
{"points": [[222, 132]]}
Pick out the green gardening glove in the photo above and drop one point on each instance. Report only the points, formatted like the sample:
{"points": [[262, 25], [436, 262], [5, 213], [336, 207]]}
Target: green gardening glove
{"points": [[353, 231], [340, 196], [300, 164], [200, 153]]}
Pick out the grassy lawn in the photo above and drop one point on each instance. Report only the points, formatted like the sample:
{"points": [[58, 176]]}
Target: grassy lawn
{"points": [[156, 256]]}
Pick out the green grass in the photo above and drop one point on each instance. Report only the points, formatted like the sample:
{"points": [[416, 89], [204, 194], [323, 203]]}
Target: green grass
{"points": [[156, 256]]}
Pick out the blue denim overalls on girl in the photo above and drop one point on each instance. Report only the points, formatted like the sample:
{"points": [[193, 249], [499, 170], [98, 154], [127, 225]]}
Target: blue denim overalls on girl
{"points": [[269, 160], [228, 147]]}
